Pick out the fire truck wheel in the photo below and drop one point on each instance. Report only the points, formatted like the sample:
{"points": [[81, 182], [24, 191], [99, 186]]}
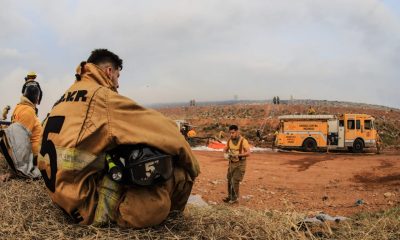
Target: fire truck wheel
{"points": [[358, 146], [309, 145]]}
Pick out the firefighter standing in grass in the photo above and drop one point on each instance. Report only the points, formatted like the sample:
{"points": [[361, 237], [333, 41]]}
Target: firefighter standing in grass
{"points": [[30, 80], [237, 149], [89, 122]]}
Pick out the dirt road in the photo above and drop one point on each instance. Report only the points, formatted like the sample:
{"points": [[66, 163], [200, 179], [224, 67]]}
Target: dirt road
{"points": [[306, 182]]}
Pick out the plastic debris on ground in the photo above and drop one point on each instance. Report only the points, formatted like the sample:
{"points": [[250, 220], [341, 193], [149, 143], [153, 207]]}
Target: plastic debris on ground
{"points": [[197, 200], [322, 217], [359, 202]]}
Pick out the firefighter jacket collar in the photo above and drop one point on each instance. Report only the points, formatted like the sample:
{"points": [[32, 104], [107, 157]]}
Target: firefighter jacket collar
{"points": [[27, 102], [92, 72]]}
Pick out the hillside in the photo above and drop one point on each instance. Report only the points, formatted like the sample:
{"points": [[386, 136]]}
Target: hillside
{"points": [[211, 118]]}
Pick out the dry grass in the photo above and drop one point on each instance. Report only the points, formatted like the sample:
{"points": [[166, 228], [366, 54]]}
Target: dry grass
{"points": [[27, 213]]}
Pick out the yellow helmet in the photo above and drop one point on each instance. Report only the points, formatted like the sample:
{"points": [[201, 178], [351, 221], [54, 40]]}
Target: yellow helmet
{"points": [[31, 75]]}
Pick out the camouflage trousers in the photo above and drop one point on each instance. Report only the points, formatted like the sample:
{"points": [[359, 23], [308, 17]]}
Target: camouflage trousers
{"points": [[236, 171]]}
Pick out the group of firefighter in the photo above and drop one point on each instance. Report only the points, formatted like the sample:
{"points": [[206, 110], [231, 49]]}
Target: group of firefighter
{"points": [[104, 158]]}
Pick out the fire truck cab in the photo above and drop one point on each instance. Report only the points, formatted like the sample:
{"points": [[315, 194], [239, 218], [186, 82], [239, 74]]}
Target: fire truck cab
{"points": [[311, 132]]}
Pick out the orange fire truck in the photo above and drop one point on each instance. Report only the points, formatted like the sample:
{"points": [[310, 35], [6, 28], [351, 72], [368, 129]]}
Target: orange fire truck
{"points": [[312, 132]]}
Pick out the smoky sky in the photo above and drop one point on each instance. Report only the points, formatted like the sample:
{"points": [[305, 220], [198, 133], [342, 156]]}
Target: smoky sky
{"points": [[208, 50]]}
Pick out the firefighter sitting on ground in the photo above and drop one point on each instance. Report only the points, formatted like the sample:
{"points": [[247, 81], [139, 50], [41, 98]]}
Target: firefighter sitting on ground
{"points": [[20, 141], [236, 151], [106, 159]]}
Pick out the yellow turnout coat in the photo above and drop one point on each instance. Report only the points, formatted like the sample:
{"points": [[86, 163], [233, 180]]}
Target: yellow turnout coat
{"points": [[90, 118]]}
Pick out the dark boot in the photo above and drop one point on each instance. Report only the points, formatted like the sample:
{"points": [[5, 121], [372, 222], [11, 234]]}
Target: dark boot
{"points": [[235, 190]]}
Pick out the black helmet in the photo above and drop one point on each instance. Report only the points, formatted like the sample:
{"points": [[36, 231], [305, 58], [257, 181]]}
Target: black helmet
{"points": [[139, 164], [35, 84], [32, 92]]}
